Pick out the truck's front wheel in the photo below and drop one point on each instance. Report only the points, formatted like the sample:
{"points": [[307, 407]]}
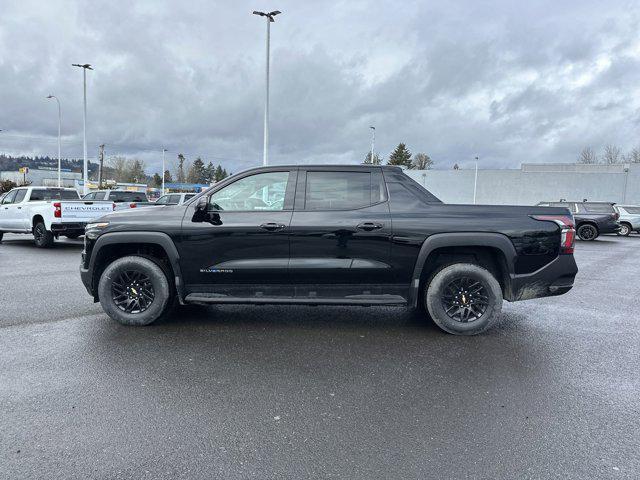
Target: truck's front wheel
{"points": [[43, 237], [134, 290], [463, 299]]}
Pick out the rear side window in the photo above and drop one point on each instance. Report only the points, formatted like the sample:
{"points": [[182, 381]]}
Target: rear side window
{"points": [[596, 208], [189, 196], [123, 196], [403, 199], [338, 190], [53, 194], [174, 199]]}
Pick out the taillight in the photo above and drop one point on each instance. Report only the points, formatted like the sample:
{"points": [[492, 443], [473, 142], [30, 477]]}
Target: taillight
{"points": [[132, 205], [114, 207], [57, 212], [616, 216], [567, 229]]}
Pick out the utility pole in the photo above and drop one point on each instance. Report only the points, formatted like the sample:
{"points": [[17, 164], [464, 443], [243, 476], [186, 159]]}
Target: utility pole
{"points": [[475, 183], [163, 152], [101, 157], [85, 164], [373, 141], [265, 153]]}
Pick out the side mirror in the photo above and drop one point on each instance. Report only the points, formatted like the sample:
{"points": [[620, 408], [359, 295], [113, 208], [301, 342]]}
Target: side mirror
{"points": [[202, 214], [202, 204]]}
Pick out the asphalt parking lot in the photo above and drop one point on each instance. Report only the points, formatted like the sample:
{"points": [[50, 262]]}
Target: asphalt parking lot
{"points": [[301, 392]]}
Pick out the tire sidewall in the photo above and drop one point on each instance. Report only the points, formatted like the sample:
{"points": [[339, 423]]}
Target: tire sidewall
{"points": [[46, 239], [625, 230], [584, 227], [435, 290], [158, 279]]}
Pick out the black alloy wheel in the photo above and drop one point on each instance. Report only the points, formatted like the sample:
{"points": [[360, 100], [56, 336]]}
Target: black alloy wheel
{"points": [[132, 291], [465, 299]]}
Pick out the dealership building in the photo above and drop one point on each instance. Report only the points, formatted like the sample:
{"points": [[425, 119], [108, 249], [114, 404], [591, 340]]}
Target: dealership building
{"points": [[535, 182]]}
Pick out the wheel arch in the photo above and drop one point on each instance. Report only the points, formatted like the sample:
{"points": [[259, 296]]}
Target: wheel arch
{"points": [[496, 250], [110, 246]]}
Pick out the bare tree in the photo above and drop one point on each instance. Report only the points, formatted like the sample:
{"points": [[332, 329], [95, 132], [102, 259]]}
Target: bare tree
{"points": [[587, 156], [422, 161], [611, 154], [634, 156]]}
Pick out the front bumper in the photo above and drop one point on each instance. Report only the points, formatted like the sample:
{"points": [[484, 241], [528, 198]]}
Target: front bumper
{"points": [[555, 278]]}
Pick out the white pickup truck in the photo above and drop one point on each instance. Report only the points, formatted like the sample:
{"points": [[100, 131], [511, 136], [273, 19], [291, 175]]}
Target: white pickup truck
{"points": [[48, 212]]}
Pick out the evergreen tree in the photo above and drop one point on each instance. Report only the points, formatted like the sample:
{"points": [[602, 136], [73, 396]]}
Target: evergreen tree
{"points": [[180, 171], [209, 172], [401, 156], [376, 159], [197, 172], [218, 174], [167, 176], [157, 180]]}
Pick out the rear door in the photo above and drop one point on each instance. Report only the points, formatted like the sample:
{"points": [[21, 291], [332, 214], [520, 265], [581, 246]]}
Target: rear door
{"points": [[341, 228]]}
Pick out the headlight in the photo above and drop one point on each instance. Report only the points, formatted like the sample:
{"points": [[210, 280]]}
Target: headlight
{"points": [[100, 225]]}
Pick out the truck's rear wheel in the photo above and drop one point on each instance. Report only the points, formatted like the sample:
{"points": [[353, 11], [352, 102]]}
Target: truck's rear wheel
{"points": [[43, 238], [463, 299], [134, 290]]}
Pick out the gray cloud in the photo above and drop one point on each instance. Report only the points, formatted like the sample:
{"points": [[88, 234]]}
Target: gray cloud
{"points": [[510, 81]]}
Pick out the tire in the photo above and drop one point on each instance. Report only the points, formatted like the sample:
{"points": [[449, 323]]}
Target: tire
{"points": [[467, 283], [72, 236], [42, 237], [587, 232], [132, 279], [625, 230]]}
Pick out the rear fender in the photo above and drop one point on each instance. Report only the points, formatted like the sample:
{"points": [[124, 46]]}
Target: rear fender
{"points": [[440, 240]]}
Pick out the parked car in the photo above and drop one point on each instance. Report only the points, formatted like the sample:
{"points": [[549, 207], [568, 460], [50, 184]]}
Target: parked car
{"points": [[48, 213], [629, 218], [592, 218], [174, 198], [123, 199], [328, 235]]}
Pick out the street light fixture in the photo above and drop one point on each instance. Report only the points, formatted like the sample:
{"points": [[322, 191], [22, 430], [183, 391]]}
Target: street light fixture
{"points": [[59, 129], [85, 166], [270, 19]]}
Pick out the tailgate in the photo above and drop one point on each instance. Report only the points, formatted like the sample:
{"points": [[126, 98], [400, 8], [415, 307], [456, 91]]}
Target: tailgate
{"points": [[84, 211]]}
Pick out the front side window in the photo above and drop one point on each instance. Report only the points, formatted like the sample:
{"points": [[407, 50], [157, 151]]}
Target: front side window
{"points": [[338, 190], [597, 208], [163, 200], [263, 191], [9, 197]]}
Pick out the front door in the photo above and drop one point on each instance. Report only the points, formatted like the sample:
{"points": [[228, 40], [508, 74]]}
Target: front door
{"points": [[7, 210], [341, 230], [243, 239]]}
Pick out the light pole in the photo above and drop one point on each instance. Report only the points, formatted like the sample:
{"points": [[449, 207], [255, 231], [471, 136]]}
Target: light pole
{"points": [[475, 183], [373, 141], [163, 152], [59, 129], [265, 153], [85, 166]]}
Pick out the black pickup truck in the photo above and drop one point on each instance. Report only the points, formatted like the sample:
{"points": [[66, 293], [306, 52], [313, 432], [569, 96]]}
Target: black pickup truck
{"points": [[328, 235]]}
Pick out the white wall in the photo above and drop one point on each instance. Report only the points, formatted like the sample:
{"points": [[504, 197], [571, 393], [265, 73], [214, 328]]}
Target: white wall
{"points": [[535, 183]]}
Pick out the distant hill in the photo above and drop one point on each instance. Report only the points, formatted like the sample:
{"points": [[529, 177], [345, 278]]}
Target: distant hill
{"points": [[75, 165]]}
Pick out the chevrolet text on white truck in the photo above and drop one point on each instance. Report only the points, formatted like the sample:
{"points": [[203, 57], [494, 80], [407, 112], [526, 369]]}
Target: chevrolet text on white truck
{"points": [[48, 212]]}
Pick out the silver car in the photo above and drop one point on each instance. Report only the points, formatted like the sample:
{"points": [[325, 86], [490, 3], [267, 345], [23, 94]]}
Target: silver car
{"points": [[629, 218]]}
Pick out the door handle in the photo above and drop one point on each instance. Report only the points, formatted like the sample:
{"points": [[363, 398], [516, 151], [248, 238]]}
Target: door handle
{"points": [[369, 226], [272, 226]]}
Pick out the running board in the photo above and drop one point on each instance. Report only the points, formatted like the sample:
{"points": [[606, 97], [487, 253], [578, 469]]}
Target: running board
{"points": [[362, 300]]}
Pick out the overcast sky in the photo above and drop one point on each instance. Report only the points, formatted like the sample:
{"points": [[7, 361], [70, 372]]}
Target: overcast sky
{"points": [[509, 81]]}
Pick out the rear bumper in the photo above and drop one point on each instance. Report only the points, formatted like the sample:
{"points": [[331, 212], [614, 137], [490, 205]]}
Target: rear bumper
{"points": [[555, 278], [68, 227]]}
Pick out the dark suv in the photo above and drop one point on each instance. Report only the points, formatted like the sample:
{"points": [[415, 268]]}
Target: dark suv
{"points": [[328, 235], [592, 218]]}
